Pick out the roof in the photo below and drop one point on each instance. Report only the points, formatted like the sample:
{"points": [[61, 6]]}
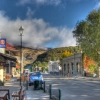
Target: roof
{"points": [[9, 46], [8, 57]]}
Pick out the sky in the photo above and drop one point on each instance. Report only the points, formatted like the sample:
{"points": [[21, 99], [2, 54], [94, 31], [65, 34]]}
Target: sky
{"points": [[46, 23]]}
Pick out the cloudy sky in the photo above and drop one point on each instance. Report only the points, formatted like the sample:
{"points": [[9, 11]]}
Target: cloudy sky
{"points": [[46, 23]]}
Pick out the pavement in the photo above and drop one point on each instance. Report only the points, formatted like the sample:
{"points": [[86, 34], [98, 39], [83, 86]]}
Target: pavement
{"points": [[31, 94], [77, 77]]}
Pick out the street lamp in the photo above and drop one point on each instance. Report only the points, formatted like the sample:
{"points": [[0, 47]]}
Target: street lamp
{"points": [[74, 62], [21, 32]]}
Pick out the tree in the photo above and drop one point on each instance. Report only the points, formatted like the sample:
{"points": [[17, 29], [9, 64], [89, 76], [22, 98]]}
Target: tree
{"points": [[87, 34], [42, 65], [90, 65], [66, 54]]}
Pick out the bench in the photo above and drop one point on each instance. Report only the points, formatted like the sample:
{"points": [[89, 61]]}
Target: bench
{"points": [[5, 88], [3, 95], [18, 95]]}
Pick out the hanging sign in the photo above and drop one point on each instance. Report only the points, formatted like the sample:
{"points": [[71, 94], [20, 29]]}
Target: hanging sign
{"points": [[2, 43]]}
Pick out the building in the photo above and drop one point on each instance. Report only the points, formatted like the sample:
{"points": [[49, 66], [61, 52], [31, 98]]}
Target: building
{"points": [[54, 66], [5, 62], [73, 65], [13, 52]]}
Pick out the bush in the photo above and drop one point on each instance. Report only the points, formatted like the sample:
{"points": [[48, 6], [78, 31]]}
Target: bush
{"points": [[1, 83]]}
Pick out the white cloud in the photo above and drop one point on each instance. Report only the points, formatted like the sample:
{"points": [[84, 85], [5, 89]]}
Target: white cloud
{"points": [[49, 2], [97, 5], [29, 13], [37, 33]]}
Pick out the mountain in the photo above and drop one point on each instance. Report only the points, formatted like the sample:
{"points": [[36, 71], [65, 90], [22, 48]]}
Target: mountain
{"points": [[32, 55]]}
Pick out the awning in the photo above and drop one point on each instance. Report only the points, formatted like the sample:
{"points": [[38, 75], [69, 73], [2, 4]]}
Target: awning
{"points": [[8, 57], [18, 67]]}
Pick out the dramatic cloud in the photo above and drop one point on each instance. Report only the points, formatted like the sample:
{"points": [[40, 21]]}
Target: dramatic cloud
{"points": [[37, 33], [49, 2]]}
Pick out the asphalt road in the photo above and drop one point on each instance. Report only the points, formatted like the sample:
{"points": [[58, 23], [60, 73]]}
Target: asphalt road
{"points": [[75, 89]]}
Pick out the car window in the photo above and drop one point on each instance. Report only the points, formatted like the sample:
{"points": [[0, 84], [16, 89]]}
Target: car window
{"points": [[38, 73], [32, 73], [35, 73]]}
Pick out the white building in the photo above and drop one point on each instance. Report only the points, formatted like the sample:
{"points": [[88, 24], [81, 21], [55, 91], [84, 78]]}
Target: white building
{"points": [[54, 66]]}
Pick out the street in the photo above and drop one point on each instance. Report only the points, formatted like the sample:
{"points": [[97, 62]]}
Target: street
{"points": [[75, 89]]}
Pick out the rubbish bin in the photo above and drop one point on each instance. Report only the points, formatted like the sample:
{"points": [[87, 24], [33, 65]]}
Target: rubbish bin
{"points": [[36, 85]]}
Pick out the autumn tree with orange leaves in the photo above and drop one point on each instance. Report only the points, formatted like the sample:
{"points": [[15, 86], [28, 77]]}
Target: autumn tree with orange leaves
{"points": [[89, 65]]}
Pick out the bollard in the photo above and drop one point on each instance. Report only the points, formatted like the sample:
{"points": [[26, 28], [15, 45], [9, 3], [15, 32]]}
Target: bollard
{"points": [[26, 85], [41, 86], [50, 87], [44, 86], [59, 94]]}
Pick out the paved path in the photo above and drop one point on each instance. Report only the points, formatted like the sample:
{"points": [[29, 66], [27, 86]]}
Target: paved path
{"points": [[30, 93]]}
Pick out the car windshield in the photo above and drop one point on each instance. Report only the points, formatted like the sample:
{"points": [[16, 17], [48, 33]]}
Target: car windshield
{"points": [[35, 73]]}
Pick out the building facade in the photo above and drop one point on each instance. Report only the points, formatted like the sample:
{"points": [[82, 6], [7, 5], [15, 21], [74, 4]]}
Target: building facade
{"points": [[5, 65], [72, 65]]}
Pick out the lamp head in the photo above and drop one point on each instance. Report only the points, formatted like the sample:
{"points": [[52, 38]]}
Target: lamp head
{"points": [[21, 30]]}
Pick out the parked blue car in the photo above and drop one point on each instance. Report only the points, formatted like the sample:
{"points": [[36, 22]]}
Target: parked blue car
{"points": [[33, 76]]}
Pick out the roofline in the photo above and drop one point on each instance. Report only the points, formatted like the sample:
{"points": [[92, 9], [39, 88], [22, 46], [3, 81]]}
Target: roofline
{"points": [[8, 56]]}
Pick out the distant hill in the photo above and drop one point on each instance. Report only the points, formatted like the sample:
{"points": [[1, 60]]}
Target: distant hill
{"points": [[32, 55], [56, 53]]}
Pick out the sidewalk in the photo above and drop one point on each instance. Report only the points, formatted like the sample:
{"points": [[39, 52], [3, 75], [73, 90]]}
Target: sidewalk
{"points": [[79, 77], [30, 93]]}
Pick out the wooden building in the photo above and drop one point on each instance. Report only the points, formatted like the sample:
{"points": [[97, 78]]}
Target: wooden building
{"points": [[4, 65]]}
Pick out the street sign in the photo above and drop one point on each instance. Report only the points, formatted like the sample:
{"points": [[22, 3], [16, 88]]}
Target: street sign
{"points": [[2, 43]]}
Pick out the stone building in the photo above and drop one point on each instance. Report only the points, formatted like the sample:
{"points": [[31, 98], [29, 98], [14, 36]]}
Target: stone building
{"points": [[72, 65]]}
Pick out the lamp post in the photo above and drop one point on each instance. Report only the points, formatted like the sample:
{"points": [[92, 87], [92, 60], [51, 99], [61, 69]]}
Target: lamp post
{"points": [[74, 63], [21, 32]]}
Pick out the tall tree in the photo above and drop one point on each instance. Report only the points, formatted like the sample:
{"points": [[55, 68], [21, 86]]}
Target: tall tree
{"points": [[87, 34]]}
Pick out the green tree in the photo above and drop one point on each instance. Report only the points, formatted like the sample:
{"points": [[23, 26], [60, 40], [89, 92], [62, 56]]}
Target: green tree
{"points": [[87, 34], [42, 65]]}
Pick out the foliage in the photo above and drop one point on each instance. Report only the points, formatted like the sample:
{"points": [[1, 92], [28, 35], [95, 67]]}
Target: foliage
{"points": [[87, 34], [66, 54], [89, 65], [92, 69], [1, 83], [42, 65]]}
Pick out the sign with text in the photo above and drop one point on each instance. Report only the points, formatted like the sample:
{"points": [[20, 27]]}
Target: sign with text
{"points": [[2, 43]]}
